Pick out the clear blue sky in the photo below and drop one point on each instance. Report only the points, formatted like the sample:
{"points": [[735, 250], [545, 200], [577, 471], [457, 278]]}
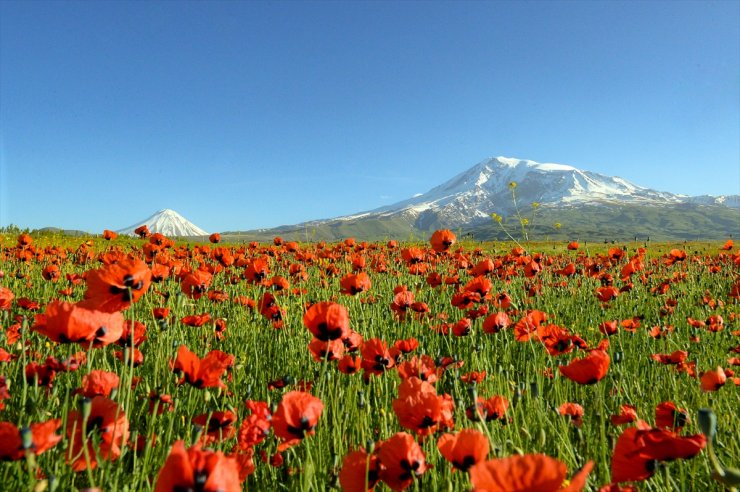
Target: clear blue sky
{"points": [[255, 114]]}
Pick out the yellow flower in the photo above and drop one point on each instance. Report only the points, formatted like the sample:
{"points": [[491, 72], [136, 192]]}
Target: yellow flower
{"points": [[535, 205], [525, 221], [512, 185], [496, 217], [558, 225]]}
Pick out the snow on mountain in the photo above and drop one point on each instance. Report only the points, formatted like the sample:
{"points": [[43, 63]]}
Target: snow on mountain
{"points": [[473, 195], [169, 223]]}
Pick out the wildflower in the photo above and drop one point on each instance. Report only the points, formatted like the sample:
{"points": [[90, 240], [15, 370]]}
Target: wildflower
{"points": [[196, 469]]}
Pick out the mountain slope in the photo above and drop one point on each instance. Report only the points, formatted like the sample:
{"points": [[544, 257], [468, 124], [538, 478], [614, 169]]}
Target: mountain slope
{"points": [[473, 195], [167, 222], [588, 201]]}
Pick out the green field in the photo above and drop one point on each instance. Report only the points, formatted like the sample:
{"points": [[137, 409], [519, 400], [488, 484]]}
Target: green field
{"points": [[256, 297]]}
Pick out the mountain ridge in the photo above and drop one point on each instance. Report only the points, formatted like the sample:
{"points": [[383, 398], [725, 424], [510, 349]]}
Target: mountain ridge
{"points": [[467, 200]]}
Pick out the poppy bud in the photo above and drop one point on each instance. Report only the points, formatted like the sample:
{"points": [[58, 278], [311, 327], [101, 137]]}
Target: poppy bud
{"points": [[618, 356], [197, 430], [473, 391], [26, 438], [53, 483], [370, 445], [360, 400], [86, 407], [708, 423], [207, 396], [577, 434], [517, 396], [534, 390]]}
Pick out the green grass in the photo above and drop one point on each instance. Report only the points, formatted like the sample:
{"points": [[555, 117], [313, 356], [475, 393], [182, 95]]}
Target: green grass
{"points": [[264, 354]]}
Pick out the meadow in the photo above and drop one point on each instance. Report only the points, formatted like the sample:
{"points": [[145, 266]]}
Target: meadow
{"points": [[150, 364]]}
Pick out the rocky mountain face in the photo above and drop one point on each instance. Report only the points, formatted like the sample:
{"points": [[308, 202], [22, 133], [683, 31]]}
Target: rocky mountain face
{"points": [[471, 196]]}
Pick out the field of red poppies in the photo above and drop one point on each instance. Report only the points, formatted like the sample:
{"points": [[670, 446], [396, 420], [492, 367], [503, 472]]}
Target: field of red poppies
{"points": [[153, 365]]}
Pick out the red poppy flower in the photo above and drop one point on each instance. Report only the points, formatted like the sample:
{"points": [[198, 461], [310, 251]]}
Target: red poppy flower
{"points": [[675, 357], [202, 373], [527, 326], [567, 271], [464, 449], [496, 322], [422, 367], [114, 287], [401, 460], [51, 273], [109, 235], [407, 346], [215, 238], [269, 309], [530, 472], [442, 240], [627, 414], [257, 270], [296, 416], [713, 380], [43, 438], [64, 322], [327, 321], [134, 334], [326, 351], [493, 408], [219, 426], [349, 364], [256, 427], [196, 469], [196, 320], [667, 415], [419, 408], [664, 445], [99, 383], [376, 358], [573, 245], [6, 299], [196, 283], [160, 403], [108, 420], [473, 377], [589, 369], [572, 410], [639, 449], [28, 304], [607, 293], [142, 231], [360, 472], [352, 284], [160, 313]]}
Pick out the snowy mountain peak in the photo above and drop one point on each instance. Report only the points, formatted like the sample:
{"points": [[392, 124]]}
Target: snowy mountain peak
{"points": [[474, 194], [167, 222]]}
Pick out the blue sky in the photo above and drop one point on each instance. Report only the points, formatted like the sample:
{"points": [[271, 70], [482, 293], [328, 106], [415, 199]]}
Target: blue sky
{"points": [[255, 114]]}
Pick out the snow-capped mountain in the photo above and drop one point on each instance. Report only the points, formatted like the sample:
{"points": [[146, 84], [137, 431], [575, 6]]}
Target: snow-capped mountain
{"points": [[472, 196], [169, 223]]}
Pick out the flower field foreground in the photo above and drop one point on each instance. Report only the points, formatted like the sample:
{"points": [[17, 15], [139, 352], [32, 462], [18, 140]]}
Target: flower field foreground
{"points": [[151, 365]]}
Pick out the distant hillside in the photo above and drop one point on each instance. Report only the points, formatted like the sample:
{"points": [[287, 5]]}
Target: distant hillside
{"points": [[56, 230], [588, 205], [587, 222]]}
